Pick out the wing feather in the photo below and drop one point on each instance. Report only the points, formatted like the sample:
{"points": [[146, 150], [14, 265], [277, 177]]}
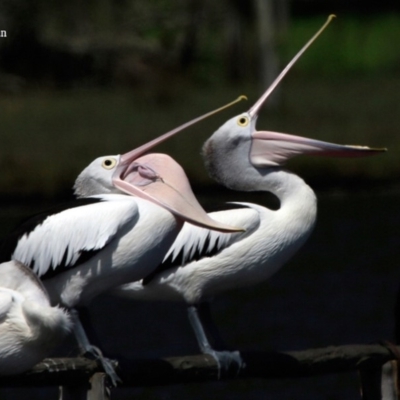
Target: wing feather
{"points": [[194, 243], [61, 239]]}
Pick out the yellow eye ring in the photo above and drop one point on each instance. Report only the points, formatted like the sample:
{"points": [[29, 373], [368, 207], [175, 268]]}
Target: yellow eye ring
{"points": [[243, 121], [109, 163]]}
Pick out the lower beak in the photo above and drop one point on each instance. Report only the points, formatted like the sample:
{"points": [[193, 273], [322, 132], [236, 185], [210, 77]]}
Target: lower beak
{"points": [[274, 149], [160, 179]]}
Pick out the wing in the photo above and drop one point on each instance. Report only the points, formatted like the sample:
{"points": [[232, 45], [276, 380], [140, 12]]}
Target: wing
{"points": [[194, 243], [71, 237], [8, 244]]}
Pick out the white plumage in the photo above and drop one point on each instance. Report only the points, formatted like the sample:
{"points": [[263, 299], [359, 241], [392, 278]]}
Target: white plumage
{"points": [[118, 234], [201, 264], [104, 240], [227, 261], [89, 227], [30, 327], [129, 211], [192, 239], [242, 158]]}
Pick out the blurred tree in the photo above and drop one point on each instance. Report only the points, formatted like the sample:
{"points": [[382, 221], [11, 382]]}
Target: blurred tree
{"points": [[268, 59], [106, 42], [272, 23], [190, 42], [116, 40]]}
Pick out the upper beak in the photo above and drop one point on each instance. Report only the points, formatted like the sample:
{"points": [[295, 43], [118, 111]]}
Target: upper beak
{"points": [[253, 112], [128, 157], [161, 180]]}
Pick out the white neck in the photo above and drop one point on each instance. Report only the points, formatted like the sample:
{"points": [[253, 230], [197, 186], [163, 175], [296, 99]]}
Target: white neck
{"points": [[285, 230], [298, 203], [296, 216], [293, 193], [290, 189]]}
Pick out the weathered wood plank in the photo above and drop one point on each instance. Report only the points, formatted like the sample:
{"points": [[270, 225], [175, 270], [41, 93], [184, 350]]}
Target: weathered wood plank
{"points": [[199, 368]]}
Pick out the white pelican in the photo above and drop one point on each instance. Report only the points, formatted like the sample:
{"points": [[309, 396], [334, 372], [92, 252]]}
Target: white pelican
{"points": [[30, 327], [202, 263], [106, 238]]}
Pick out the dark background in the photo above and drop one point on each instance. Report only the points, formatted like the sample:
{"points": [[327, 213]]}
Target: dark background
{"points": [[82, 80]]}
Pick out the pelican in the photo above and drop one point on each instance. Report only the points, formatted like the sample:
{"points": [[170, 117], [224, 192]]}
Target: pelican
{"points": [[128, 212], [30, 327], [202, 263]]}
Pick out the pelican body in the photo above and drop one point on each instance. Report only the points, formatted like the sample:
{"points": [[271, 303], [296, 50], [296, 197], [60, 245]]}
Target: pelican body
{"points": [[99, 243], [128, 212], [30, 327], [106, 238], [201, 263]]}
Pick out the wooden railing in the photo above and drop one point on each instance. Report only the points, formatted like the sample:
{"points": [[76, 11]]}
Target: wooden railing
{"points": [[80, 378]]}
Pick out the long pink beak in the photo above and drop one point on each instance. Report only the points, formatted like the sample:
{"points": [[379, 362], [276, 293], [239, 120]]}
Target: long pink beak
{"points": [[161, 180], [274, 149], [139, 151]]}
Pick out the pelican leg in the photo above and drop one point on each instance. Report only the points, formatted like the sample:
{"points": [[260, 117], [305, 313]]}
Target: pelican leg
{"points": [[204, 313], [226, 360], [88, 349]]}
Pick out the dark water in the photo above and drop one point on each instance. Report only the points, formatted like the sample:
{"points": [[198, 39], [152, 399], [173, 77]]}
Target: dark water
{"points": [[339, 289]]}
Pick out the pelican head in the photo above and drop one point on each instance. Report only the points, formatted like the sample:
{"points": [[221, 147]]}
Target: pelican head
{"points": [[155, 177], [97, 177], [104, 174], [237, 150]]}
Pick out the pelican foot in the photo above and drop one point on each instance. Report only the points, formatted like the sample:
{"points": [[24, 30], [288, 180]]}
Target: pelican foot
{"points": [[229, 362], [107, 364], [88, 349]]}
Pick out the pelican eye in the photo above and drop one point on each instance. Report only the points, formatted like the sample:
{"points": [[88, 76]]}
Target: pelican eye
{"points": [[243, 121], [109, 163]]}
